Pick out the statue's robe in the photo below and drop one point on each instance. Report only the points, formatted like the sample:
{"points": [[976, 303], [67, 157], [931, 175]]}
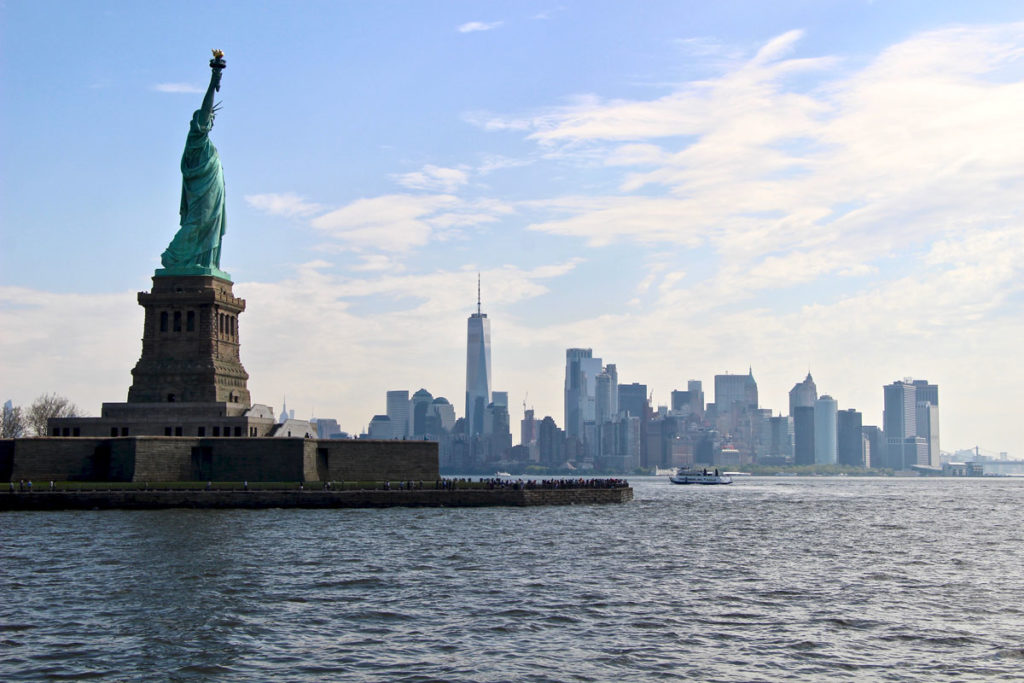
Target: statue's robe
{"points": [[197, 242]]}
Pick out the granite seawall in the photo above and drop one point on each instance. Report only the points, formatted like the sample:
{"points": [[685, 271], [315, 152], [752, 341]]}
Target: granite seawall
{"points": [[254, 499]]}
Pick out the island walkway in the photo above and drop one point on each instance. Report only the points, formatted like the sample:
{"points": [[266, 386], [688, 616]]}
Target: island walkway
{"points": [[259, 495]]}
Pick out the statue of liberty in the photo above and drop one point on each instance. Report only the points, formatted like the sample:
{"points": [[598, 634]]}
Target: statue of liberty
{"points": [[195, 249]]}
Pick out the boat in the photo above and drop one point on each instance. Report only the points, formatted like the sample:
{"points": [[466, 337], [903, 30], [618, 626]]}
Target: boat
{"points": [[691, 476], [502, 474], [664, 471]]}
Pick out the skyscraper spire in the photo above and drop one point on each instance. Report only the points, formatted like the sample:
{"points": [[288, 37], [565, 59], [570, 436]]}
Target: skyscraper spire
{"points": [[478, 293]]}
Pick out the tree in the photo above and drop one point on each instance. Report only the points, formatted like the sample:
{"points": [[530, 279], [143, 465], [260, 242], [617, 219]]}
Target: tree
{"points": [[13, 425], [47, 406]]}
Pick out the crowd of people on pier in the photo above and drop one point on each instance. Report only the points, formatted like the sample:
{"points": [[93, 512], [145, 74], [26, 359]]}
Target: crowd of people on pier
{"points": [[451, 484], [519, 484]]}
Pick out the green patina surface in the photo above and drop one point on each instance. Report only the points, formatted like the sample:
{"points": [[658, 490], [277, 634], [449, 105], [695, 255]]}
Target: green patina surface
{"points": [[195, 249]]}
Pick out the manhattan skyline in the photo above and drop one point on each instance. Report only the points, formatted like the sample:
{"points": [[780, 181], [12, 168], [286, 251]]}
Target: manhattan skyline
{"points": [[826, 189]]}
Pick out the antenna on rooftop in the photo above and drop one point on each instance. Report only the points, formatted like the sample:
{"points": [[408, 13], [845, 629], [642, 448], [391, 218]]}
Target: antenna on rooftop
{"points": [[478, 293]]}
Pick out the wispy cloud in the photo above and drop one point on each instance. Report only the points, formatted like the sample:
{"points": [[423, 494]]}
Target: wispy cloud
{"points": [[434, 178], [496, 162], [177, 88], [378, 263], [400, 223], [286, 204], [472, 26], [389, 223], [794, 168]]}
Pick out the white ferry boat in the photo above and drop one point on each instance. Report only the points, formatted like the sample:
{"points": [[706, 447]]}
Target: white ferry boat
{"points": [[690, 476]]}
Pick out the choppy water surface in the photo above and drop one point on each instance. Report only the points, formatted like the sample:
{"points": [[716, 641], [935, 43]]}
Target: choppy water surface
{"points": [[769, 579]]}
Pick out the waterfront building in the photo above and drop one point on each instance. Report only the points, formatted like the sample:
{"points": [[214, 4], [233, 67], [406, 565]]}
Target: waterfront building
{"points": [[379, 428], [874, 446], [681, 451], [633, 400], [621, 439], [735, 407], [928, 428], [478, 367], [826, 439], [327, 428], [499, 398], [803, 435], [655, 434], [529, 429], [733, 390], [550, 443], [850, 438], [499, 435], [398, 412], [420, 410], [444, 411], [803, 394], [780, 438], [708, 448], [581, 371], [689, 402], [899, 422], [604, 402], [695, 388], [924, 391], [613, 373], [915, 452], [927, 396]]}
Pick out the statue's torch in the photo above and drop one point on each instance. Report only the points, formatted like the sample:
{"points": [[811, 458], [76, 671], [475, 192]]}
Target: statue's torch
{"points": [[218, 64]]}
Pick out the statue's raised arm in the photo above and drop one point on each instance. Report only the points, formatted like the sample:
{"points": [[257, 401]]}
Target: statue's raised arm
{"points": [[217, 66], [195, 249]]}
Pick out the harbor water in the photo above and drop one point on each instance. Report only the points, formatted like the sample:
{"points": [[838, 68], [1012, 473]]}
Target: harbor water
{"points": [[774, 578]]}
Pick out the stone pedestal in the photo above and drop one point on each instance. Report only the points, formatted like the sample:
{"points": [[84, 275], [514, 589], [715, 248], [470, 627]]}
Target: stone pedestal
{"points": [[190, 344]]}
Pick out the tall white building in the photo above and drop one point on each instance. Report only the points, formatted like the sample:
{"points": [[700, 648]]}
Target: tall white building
{"points": [[398, 413], [379, 427], [928, 427], [445, 412], [420, 414], [899, 422], [826, 437], [603, 403], [326, 427], [613, 372], [478, 368], [927, 396], [499, 399], [581, 371]]}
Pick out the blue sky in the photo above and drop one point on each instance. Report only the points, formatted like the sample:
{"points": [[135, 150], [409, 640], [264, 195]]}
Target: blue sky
{"points": [[688, 188]]}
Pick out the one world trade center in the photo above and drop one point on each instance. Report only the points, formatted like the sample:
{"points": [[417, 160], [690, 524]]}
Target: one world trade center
{"points": [[478, 367]]}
